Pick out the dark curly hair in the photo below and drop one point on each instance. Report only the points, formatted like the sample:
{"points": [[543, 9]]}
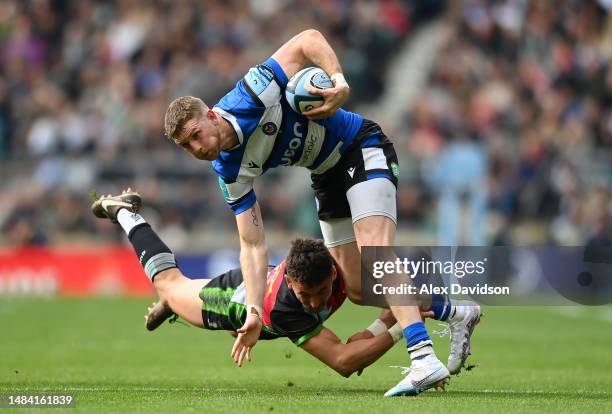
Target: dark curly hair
{"points": [[309, 262]]}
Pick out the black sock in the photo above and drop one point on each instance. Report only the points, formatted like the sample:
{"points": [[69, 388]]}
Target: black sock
{"points": [[153, 253]]}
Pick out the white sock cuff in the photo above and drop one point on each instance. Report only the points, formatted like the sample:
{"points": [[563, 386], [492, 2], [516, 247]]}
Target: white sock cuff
{"points": [[420, 345], [422, 351], [129, 220], [159, 263]]}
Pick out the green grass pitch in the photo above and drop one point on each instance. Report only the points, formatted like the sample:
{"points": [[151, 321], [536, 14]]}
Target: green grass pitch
{"points": [[529, 360]]}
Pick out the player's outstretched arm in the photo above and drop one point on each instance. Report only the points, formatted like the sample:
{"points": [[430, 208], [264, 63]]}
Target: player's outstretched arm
{"points": [[347, 358], [311, 46], [254, 264], [385, 321]]}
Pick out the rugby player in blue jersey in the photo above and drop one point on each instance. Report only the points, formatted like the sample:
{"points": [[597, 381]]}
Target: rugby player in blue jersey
{"points": [[354, 172], [301, 293]]}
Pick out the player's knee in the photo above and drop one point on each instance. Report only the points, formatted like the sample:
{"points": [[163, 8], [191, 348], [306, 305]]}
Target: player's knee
{"points": [[375, 231], [170, 295], [343, 367], [354, 295], [371, 237], [352, 289], [166, 281], [169, 275]]}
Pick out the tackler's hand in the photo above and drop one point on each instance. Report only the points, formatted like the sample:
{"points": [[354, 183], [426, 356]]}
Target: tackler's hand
{"points": [[247, 337], [365, 334]]}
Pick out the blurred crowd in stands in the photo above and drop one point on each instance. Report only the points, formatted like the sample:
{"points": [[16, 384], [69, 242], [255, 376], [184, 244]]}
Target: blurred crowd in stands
{"points": [[516, 119]]}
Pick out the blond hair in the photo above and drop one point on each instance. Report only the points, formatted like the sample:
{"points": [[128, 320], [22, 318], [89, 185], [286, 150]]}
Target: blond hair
{"points": [[179, 112]]}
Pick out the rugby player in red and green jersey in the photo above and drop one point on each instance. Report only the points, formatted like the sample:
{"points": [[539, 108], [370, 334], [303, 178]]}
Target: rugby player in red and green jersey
{"points": [[301, 293]]}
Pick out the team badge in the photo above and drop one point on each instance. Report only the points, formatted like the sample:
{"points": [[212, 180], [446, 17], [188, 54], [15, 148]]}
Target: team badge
{"points": [[395, 169], [269, 128]]}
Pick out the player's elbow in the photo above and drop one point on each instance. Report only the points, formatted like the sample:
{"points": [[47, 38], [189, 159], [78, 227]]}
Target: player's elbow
{"points": [[312, 36], [253, 240], [258, 243], [344, 366], [343, 371], [345, 374], [311, 33]]}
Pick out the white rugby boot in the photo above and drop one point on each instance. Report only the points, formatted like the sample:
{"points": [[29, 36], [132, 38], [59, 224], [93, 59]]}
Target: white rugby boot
{"points": [[427, 372], [461, 328]]}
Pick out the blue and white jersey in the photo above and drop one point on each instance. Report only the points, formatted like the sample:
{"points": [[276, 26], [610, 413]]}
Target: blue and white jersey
{"points": [[270, 134]]}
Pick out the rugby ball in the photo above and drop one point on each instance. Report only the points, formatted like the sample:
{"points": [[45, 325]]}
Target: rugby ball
{"points": [[297, 93]]}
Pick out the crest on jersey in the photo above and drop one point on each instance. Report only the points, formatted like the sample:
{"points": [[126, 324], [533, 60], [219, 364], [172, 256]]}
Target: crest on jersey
{"points": [[269, 128], [395, 169]]}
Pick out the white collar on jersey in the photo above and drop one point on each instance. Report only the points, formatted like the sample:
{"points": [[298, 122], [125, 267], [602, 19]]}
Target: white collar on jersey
{"points": [[234, 122]]}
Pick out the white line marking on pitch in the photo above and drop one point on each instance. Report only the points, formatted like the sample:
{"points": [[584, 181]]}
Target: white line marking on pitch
{"points": [[118, 389], [586, 393]]}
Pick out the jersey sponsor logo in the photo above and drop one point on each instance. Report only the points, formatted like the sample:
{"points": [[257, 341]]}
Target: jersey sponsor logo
{"points": [[351, 171], [309, 145], [293, 145], [313, 142], [258, 78], [269, 128]]}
